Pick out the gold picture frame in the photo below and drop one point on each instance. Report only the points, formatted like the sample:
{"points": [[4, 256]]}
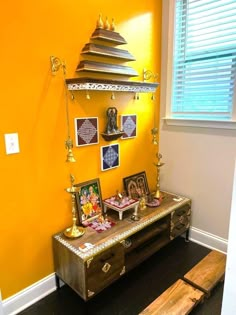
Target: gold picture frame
{"points": [[136, 185], [89, 200]]}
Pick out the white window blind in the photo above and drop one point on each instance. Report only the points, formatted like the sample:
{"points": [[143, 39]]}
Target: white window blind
{"points": [[204, 59]]}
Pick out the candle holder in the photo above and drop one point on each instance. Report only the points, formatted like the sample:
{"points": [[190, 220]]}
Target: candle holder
{"points": [[158, 165], [74, 231]]}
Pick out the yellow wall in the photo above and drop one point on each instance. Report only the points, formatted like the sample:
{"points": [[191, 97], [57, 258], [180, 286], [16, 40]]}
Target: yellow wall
{"points": [[34, 205]]}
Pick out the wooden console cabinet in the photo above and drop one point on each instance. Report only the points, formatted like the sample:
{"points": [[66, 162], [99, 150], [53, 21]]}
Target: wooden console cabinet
{"points": [[120, 248]]}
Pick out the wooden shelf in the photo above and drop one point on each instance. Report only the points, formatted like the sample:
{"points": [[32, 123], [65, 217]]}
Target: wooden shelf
{"points": [[106, 51], [100, 45], [100, 67], [110, 85], [109, 36], [112, 136]]}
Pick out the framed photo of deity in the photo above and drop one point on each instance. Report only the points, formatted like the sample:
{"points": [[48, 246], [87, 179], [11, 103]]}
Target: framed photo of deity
{"points": [[86, 131], [136, 185], [129, 126], [89, 200], [110, 156]]}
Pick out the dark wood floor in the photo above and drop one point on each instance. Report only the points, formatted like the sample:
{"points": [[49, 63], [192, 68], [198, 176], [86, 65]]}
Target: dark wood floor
{"points": [[135, 290]]}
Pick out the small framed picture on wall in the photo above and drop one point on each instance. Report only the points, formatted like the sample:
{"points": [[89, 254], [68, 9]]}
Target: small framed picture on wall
{"points": [[86, 131], [129, 126], [136, 185], [110, 156]]}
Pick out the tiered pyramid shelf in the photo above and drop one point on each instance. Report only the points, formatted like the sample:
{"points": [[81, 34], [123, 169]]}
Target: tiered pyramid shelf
{"points": [[100, 47]]}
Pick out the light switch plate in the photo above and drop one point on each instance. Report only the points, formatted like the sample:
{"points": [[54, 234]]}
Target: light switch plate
{"points": [[12, 143]]}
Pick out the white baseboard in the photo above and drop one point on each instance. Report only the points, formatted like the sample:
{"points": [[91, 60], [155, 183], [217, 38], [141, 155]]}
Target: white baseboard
{"points": [[208, 240], [1, 307], [23, 299], [42, 288]]}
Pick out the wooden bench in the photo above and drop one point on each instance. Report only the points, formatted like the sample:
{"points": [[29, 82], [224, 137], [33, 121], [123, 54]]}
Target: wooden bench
{"points": [[179, 299], [197, 284], [208, 272]]}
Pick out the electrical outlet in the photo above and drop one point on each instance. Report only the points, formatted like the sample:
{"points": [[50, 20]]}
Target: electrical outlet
{"points": [[12, 143]]}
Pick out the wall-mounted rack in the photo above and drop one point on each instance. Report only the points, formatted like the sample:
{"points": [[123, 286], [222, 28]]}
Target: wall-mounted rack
{"points": [[78, 84]]}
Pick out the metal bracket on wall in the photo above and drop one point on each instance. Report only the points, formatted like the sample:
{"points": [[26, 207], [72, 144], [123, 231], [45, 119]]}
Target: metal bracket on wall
{"points": [[56, 64]]}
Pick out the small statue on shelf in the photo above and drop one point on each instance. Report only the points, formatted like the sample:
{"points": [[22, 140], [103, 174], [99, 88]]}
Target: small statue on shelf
{"points": [[107, 24], [112, 26], [112, 121], [100, 23], [142, 203], [112, 132], [119, 197]]}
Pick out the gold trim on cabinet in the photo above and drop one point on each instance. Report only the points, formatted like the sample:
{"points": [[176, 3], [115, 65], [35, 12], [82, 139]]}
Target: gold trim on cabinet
{"points": [[90, 293], [122, 271], [106, 267], [89, 261]]}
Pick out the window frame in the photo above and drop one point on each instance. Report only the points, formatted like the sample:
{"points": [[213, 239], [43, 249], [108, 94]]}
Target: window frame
{"points": [[168, 18]]}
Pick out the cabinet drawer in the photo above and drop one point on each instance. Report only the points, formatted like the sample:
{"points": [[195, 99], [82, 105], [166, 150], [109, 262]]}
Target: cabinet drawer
{"points": [[180, 221], [179, 229], [104, 268], [178, 213]]}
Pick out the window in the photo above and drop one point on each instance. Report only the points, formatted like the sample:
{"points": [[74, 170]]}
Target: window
{"points": [[203, 72]]}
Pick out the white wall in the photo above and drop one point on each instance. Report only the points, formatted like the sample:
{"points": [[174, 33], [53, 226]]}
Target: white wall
{"points": [[199, 161], [229, 301], [200, 165], [1, 307]]}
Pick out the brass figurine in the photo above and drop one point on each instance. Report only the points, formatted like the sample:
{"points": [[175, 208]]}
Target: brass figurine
{"points": [[100, 23], [107, 24], [74, 231], [142, 203], [111, 121], [112, 27]]}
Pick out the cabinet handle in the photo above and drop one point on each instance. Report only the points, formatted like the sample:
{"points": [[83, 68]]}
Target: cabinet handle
{"points": [[126, 243], [107, 258], [180, 213], [106, 267]]}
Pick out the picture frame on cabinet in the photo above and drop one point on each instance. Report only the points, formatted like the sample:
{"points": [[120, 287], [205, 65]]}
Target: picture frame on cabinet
{"points": [[86, 131], [110, 156], [89, 200], [136, 185], [129, 126]]}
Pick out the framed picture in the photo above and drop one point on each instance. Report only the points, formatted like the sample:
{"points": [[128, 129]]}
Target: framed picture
{"points": [[136, 185], [129, 126], [86, 131], [110, 156], [89, 200]]}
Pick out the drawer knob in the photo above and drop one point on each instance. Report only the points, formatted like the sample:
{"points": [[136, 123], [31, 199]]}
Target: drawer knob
{"points": [[126, 243], [182, 219], [106, 267]]}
